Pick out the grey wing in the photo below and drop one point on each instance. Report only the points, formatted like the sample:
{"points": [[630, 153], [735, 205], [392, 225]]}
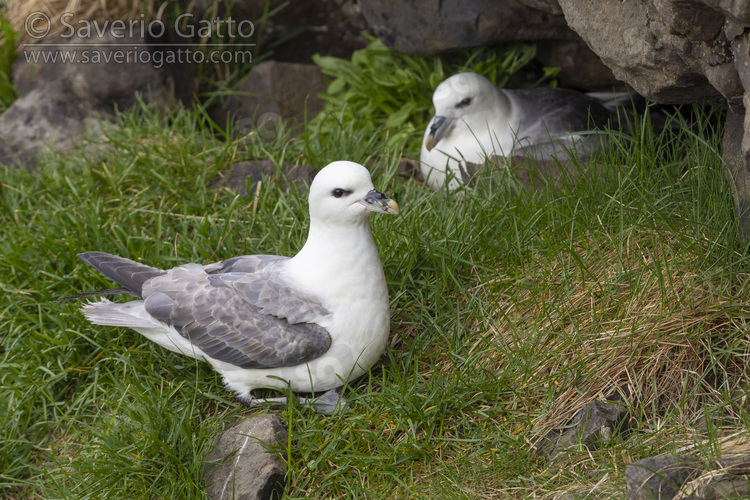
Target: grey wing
{"points": [[218, 316], [129, 274], [548, 116], [267, 290], [561, 110], [245, 264], [270, 293]]}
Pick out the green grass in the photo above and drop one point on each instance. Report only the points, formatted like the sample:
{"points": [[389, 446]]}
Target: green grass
{"points": [[510, 310], [7, 56]]}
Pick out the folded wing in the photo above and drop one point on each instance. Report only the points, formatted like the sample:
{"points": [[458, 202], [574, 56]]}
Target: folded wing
{"points": [[248, 320]]}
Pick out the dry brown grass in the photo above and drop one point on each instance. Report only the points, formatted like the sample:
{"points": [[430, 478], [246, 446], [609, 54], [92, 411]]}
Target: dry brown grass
{"points": [[92, 10], [608, 318]]}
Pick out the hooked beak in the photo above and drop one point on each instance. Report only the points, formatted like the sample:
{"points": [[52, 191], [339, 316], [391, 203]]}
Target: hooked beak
{"points": [[376, 201], [438, 128]]}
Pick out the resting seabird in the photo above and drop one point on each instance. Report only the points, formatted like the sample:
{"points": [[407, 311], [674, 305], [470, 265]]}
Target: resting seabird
{"points": [[475, 120], [309, 322]]}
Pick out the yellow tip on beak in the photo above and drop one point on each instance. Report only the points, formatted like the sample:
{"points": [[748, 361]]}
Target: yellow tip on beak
{"points": [[392, 208], [376, 201], [439, 127]]}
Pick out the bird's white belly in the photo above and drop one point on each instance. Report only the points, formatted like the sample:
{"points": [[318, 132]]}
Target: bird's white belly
{"points": [[346, 360], [443, 162], [351, 354]]}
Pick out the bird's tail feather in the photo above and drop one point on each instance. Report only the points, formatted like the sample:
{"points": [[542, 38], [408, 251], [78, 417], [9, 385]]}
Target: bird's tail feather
{"points": [[96, 293], [130, 275], [130, 314]]}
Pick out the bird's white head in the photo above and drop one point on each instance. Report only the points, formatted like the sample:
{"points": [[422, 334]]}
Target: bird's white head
{"points": [[343, 193], [458, 96], [461, 94]]}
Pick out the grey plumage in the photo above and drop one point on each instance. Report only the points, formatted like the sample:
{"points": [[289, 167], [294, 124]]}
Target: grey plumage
{"points": [[553, 114], [129, 274], [241, 313]]}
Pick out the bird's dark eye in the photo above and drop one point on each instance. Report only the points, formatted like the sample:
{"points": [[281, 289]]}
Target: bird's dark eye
{"points": [[338, 192], [464, 102]]}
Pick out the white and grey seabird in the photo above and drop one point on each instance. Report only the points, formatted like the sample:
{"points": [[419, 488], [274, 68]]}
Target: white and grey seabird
{"points": [[309, 322], [475, 120]]}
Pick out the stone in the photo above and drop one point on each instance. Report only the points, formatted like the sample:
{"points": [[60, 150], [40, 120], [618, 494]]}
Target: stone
{"points": [[434, 26], [738, 464], [274, 91], [730, 479], [597, 421], [659, 477], [14, 155], [738, 168], [449, 25], [297, 30], [738, 11], [239, 465], [251, 172], [580, 67], [670, 51], [550, 6], [96, 84], [728, 487], [59, 100], [45, 116], [649, 44]]}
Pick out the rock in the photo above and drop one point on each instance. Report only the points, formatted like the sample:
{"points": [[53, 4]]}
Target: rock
{"points": [[735, 11], [728, 487], [670, 51], [550, 6], [596, 422], [736, 141], [579, 67], [730, 479], [430, 27], [237, 176], [297, 30], [652, 45], [108, 73], [238, 465], [274, 91], [60, 99], [14, 155], [659, 477], [736, 159], [449, 25], [44, 116]]}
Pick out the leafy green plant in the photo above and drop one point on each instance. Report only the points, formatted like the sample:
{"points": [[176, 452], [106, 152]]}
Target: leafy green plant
{"points": [[394, 90]]}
